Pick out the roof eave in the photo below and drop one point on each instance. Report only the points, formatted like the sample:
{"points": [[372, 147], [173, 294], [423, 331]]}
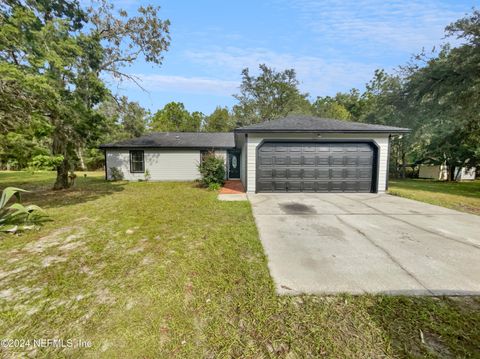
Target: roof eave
{"points": [[400, 130], [108, 146]]}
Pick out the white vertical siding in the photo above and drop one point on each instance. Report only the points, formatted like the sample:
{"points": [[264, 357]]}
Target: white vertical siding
{"points": [[163, 165], [255, 139]]}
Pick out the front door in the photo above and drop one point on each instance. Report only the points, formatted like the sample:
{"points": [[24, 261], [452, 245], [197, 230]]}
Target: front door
{"points": [[234, 164]]}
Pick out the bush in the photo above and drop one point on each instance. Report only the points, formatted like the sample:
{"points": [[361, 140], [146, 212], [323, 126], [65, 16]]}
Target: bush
{"points": [[214, 186], [44, 162], [17, 217], [212, 169], [116, 174]]}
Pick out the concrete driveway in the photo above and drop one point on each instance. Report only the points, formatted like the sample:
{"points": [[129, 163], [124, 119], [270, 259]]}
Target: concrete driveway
{"points": [[367, 243]]}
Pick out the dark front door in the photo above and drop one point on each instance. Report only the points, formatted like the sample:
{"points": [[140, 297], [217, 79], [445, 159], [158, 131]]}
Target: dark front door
{"points": [[234, 164], [315, 167]]}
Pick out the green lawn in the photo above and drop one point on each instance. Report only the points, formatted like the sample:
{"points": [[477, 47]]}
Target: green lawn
{"points": [[164, 269], [462, 196]]}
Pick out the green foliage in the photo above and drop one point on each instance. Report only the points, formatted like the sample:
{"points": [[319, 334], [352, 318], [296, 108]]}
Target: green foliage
{"points": [[116, 174], [17, 217], [53, 55], [148, 176], [214, 186], [327, 107], [219, 121], [268, 96], [212, 169], [173, 117], [45, 162]]}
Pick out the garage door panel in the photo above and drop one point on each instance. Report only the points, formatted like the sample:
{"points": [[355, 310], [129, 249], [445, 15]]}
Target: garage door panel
{"points": [[294, 186], [265, 173], [351, 160], [280, 173], [295, 173], [337, 160], [309, 161], [295, 161], [364, 173], [315, 167], [337, 173], [266, 161], [364, 186], [323, 148], [364, 161], [323, 160], [351, 173], [309, 173], [309, 186], [323, 186], [323, 173]]}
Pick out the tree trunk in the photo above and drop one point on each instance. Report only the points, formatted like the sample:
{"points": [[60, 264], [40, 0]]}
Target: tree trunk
{"points": [[62, 176], [60, 148], [404, 165], [80, 157], [450, 173]]}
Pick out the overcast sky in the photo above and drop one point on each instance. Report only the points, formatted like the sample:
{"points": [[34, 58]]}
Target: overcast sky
{"points": [[333, 45]]}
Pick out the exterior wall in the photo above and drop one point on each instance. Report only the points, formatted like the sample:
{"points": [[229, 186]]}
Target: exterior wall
{"points": [[164, 165], [432, 172], [466, 174], [254, 139], [241, 142], [439, 172]]}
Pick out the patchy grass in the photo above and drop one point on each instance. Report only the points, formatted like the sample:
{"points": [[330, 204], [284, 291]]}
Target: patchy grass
{"points": [[164, 269], [462, 196]]}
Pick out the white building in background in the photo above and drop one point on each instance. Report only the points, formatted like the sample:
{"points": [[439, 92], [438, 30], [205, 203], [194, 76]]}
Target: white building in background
{"points": [[440, 172]]}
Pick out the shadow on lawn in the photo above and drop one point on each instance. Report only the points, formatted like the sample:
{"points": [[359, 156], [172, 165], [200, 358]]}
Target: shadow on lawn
{"points": [[84, 190]]}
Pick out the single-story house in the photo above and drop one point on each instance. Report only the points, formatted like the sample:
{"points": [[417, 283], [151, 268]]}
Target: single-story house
{"points": [[440, 172], [292, 154]]}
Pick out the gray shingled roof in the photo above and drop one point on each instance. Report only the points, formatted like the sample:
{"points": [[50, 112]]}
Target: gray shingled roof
{"points": [[178, 139], [316, 124]]}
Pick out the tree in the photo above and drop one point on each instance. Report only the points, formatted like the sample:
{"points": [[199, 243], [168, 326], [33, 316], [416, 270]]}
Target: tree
{"points": [[328, 107], [445, 91], [132, 117], [174, 117], [219, 121], [53, 63], [268, 96]]}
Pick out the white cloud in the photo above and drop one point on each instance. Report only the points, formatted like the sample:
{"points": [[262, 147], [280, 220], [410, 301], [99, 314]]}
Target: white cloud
{"points": [[393, 24], [197, 85], [317, 75]]}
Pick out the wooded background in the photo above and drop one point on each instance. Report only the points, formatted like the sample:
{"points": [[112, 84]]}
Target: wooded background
{"points": [[56, 109]]}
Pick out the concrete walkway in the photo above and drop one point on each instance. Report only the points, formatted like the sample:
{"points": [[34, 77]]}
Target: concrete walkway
{"points": [[367, 243]]}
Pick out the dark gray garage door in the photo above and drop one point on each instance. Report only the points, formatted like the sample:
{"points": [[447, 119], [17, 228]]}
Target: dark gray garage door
{"points": [[315, 167]]}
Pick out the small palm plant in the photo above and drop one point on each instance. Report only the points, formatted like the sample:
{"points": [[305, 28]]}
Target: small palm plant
{"points": [[18, 217]]}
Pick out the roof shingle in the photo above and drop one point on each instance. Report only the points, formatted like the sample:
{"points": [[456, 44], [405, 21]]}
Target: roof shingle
{"points": [[316, 124], [178, 139]]}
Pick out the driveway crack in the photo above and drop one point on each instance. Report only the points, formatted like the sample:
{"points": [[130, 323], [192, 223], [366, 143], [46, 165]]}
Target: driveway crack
{"points": [[387, 253]]}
